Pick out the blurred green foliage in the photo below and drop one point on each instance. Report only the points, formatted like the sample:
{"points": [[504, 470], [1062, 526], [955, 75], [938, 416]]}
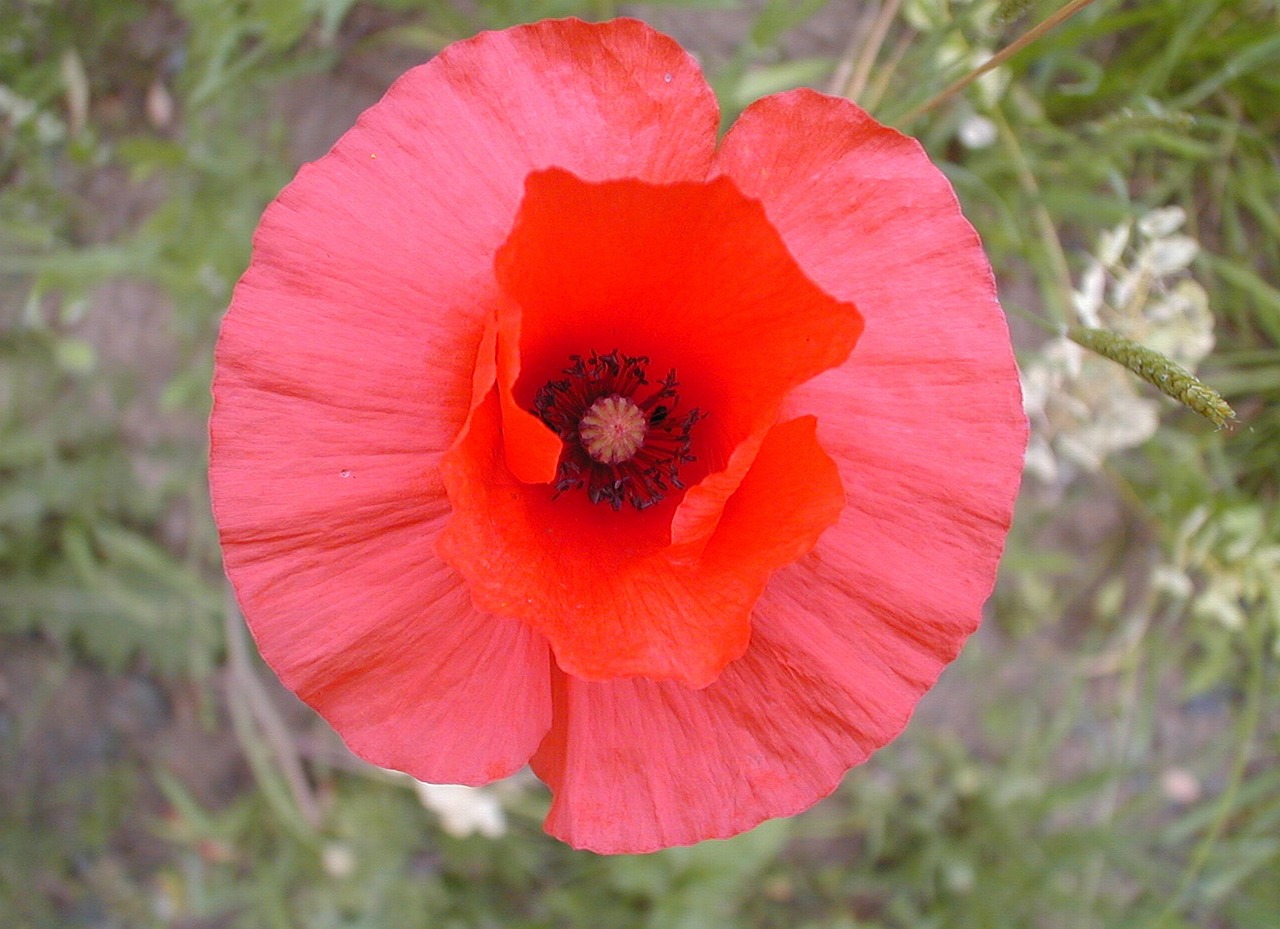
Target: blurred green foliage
{"points": [[1124, 770]]}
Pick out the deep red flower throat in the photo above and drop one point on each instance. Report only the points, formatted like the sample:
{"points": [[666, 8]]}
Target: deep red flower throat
{"points": [[545, 431], [624, 439]]}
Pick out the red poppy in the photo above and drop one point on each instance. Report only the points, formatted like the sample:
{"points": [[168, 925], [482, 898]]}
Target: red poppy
{"points": [[545, 430]]}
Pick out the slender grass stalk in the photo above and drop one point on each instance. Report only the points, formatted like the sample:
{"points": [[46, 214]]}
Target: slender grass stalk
{"points": [[249, 703], [875, 93], [1033, 319], [1061, 305], [853, 47], [870, 50], [1109, 797], [1065, 12]]}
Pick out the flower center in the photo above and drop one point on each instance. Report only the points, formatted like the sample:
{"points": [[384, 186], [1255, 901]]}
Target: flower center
{"points": [[613, 430], [623, 442]]}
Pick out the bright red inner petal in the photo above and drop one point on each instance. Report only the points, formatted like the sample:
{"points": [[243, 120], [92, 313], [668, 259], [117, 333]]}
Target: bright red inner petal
{"points": [[693, 277]]}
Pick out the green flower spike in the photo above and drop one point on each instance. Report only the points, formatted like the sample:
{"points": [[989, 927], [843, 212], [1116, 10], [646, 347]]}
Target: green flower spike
{"points": [[1157, 369]]}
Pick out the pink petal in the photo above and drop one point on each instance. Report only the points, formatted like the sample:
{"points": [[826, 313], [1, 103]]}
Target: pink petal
{"points": [[640, 765]]}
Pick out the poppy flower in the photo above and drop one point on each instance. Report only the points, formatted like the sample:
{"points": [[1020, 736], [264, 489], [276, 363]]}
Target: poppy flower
{"points": [[549, 430]]}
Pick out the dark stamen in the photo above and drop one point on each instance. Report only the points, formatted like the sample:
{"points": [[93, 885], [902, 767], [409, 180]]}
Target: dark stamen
{"points": [[618, 445]]}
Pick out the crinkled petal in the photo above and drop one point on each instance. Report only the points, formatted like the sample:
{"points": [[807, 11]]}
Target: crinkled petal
{"points": [[925, 424], [925, 419], [345, 369], [690, 275], [641, 765]]}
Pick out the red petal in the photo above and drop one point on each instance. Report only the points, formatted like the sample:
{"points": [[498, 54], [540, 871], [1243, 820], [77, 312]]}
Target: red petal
{"points": [[344, 371], [365, 624], [926, 426], [641, 765], [692, 276]]}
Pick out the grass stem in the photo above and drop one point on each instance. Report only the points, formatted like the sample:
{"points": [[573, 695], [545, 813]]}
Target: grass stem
{"points": [[870, 50], [1065, 12], [1060, 305]]}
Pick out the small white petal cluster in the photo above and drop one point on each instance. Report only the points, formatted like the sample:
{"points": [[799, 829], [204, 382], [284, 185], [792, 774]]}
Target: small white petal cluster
{"points": [[16, 107], [1084, 408], [464, 811]]}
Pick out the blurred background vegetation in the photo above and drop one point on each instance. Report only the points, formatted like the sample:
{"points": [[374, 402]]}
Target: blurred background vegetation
{"points": [[1103, 754]]}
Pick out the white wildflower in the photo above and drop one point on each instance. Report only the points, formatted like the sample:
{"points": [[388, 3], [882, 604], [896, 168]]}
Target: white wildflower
{"points": [[1162, 222], [18, 108], [1172, 581], [1088, 299], [49, 129], [1084, 408], [338, 860], [464, 811], [976, 131], [1111, 245], [1171, 254], [1180, 324], [1220, 603]]}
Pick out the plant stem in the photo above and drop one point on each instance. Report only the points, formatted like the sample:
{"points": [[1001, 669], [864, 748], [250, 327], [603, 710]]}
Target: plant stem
{"points": [[870, 50], [1060, 306], [871, 100], [249, 704], [1065, 12]]}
